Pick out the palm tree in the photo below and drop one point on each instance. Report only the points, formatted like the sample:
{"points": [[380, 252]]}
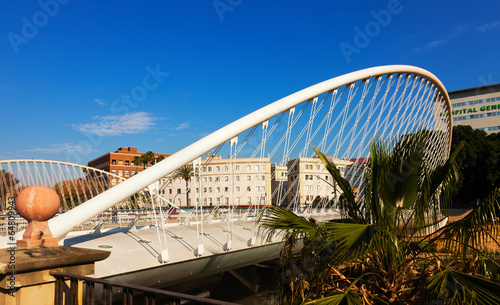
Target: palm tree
{"points": [[138, 160], [148, 158], [159, 159], [185, 172], [390, 247]]}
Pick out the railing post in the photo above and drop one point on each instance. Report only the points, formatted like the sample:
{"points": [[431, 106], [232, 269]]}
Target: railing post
{"points": [[108, 295], [128, 296], [74, 291], [89, 298], [58, 298], [149, 299]]}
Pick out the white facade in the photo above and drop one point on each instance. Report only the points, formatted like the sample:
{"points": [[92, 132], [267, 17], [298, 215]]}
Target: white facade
{"points": [[223, 182], [478, 107], [308, 178]]}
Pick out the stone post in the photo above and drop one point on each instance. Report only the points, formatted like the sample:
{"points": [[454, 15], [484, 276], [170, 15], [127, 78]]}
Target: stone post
{"points": [[25, 268]]}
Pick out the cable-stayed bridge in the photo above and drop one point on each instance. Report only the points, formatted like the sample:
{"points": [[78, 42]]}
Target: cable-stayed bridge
{"points": [[269, 161]]}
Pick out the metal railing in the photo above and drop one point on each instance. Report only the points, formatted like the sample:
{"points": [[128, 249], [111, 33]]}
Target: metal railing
{"points": [[150, 296]]}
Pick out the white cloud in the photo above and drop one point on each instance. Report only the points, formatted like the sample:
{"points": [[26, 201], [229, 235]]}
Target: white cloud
{"points": [[431, 45], [60, 148], [457, 32], [100, 102], [182, 126], [113, 125], [487, 27]]}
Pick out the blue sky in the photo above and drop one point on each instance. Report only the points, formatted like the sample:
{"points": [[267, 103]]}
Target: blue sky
{"points": [[82, 78]]}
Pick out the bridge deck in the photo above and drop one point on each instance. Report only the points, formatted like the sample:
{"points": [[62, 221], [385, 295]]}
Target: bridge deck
{"points": [[135, 253]]}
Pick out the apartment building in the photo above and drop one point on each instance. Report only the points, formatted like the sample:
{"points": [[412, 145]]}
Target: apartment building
{"points": [[308, 178], [222, 182], [121, 163]]}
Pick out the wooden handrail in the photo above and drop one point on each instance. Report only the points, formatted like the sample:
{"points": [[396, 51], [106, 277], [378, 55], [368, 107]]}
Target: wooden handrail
{"points": [[149, 293]]}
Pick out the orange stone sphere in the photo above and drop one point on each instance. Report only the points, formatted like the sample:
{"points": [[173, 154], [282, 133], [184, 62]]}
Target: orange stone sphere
{"points": [[38, 203]]}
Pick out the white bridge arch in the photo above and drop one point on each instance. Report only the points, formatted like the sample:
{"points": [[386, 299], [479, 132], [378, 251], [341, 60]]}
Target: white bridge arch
{"points": [[381, 102]]}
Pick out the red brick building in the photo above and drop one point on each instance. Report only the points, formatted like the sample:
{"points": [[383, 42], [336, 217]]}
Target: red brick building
{"points": [[120, 162]]}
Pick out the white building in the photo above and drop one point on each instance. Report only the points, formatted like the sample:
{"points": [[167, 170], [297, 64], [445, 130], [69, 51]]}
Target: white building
{"points": [[478, 107], [240, 182], [308, 178]]}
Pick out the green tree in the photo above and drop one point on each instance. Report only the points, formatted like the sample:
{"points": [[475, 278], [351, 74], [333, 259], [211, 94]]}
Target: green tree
{"points": [[8, 180], [387, 249], [138, 160], [471, 163], [148, 158], [8, 186], [159, 159], [185, 172]]}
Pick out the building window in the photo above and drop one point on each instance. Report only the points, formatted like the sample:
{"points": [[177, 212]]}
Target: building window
{"points": [[217, 168], [263, 178], [226, 168], [113, 162], [204, 179], [249, 189], [226, 189], [237, 167], [249, 178], [226, 200], [237, 188], [133, 173], [209, 168], [126, 173], [249, 167], [218, 200], [249, 200], [256, 167], [210, 201], [113, 171], [226, 178], [218, 190], [127, 163], [120, 172], [209, 179], [237, 178], [217, 179], [178, 191], [209, 189]]}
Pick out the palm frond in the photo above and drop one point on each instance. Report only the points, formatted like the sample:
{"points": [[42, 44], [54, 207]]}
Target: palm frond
{"points": [[401, 184], [476, 228], [453, 287], [350, 236], [274, 220], [339, 298], [353, 210]]}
